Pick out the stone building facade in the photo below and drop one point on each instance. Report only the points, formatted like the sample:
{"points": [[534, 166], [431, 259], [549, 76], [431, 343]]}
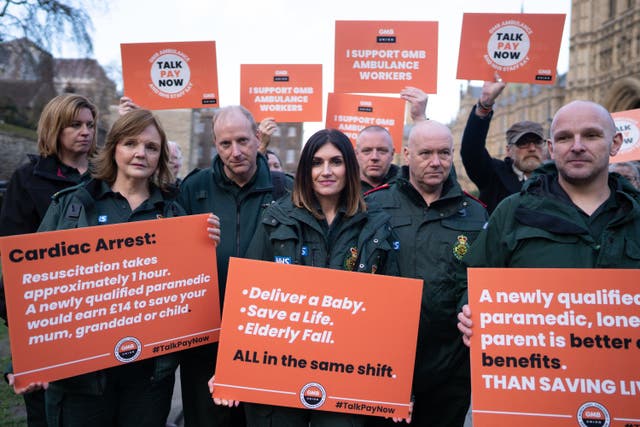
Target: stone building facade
{"points": [[604, 58]]}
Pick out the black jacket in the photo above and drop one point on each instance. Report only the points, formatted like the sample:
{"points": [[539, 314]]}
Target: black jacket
{"points": [[494, 178], [29, 193]]}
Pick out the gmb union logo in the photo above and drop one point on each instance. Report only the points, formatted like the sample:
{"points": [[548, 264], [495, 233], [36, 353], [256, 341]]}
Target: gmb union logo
{"points": [[508, 46], [313, 395], [170, 73], [128, 349], [593, 414]]}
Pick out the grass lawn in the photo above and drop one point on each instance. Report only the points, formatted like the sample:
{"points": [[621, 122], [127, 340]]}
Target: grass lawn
{"points": [[12, 412]]}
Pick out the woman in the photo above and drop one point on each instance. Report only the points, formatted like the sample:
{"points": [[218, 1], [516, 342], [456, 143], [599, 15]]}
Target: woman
{"points": [[130, 181], [66, 139], [327, 216]]}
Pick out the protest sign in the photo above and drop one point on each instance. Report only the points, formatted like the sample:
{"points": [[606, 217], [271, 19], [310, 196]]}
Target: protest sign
{"points": [[521, 47], [351, 113], [555, 347], [288, 93], [171, 75], [385, 56], [89, 298], [318, 338], [628, 124]]}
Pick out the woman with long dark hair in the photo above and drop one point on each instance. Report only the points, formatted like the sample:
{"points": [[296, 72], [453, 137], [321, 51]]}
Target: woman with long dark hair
{"points": [[325, 223]]}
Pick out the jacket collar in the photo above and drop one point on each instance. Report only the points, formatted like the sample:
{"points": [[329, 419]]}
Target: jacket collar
{"points": [[261, 180]]}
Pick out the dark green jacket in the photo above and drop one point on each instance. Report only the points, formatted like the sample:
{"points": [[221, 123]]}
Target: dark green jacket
{"points": [[392, 174], [433, 241], [535, 229], [292, 235], [239, 208], [88, 205]]}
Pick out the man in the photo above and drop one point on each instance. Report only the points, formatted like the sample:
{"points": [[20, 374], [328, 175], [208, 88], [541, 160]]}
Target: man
{"points": [[435, 222], [237, 188], [628, 171], [574, 214], [496, 179], [374, 151], [374, 145]]}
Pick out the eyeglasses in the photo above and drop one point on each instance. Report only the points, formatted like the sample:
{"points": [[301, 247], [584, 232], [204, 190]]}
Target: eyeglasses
{"points": [[524, 142]]}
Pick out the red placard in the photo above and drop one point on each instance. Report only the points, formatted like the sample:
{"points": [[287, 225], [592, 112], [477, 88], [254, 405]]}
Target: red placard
{"points": [[317, 338], [288, 93], [171, 75], [90, 298], [628, 124], [521, 47], [352, 113], [555, 347], [385, 56]]}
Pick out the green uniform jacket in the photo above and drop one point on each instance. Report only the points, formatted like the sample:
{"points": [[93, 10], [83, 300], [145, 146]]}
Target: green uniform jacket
{"points": [[292, 235], [433, 239], [534, 229], [239, 208], [86, 205], [392, 174]]}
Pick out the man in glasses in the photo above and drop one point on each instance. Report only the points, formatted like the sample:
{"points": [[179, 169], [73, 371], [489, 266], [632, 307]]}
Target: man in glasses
{"points": [[495, 178]]}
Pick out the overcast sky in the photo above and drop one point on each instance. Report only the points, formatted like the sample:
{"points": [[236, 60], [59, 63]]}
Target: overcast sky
{"points": [[295, 31]]}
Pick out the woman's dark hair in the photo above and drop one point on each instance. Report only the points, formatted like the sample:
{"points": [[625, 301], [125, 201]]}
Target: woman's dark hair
{"points": [[303, 195]]}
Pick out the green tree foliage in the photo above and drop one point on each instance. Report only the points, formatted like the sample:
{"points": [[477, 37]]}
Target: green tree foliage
{"points": [[48, 23]]}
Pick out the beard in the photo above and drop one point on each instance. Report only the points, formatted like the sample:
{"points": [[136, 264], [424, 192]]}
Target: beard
{"points": [[529, 164]]}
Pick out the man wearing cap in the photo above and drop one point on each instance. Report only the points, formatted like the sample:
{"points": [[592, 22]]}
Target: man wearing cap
{"points": [[497, 179]]}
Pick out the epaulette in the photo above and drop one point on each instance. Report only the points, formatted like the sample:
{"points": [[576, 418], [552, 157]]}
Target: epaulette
{"points": [[378, 188], [64, 191], [471, 196]]}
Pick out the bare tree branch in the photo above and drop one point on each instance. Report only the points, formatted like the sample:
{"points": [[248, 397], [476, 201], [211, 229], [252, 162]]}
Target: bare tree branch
{"points": [[48, 23]]}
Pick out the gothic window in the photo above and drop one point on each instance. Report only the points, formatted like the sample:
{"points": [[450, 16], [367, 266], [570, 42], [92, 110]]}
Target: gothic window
{"points": [[612, 8]]}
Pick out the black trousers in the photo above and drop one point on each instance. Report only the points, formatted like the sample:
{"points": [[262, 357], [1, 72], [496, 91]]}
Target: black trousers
{"points": [[197, 366], [280, 416]]}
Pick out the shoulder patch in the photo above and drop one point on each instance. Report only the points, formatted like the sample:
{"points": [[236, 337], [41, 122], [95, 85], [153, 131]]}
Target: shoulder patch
{"points": [[471, 196], [381, 187]]}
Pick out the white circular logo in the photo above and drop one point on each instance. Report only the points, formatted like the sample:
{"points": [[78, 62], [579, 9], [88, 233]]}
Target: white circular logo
{"points": [[170, 73], [128, 349], [508, 46], [630, 133], [593, 414], [313, 395]]}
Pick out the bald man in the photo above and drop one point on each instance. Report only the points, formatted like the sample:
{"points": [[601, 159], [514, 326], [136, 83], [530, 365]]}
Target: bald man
{"points": [[573, 214], [435, 222]]}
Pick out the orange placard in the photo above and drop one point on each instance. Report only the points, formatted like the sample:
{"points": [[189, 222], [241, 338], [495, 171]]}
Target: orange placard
{"points": [[288, 93], [170, 75], [385, 56], [628, 123], [317, 338], [555, 347], [352, 113], [90, 298], [521, 47]]}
